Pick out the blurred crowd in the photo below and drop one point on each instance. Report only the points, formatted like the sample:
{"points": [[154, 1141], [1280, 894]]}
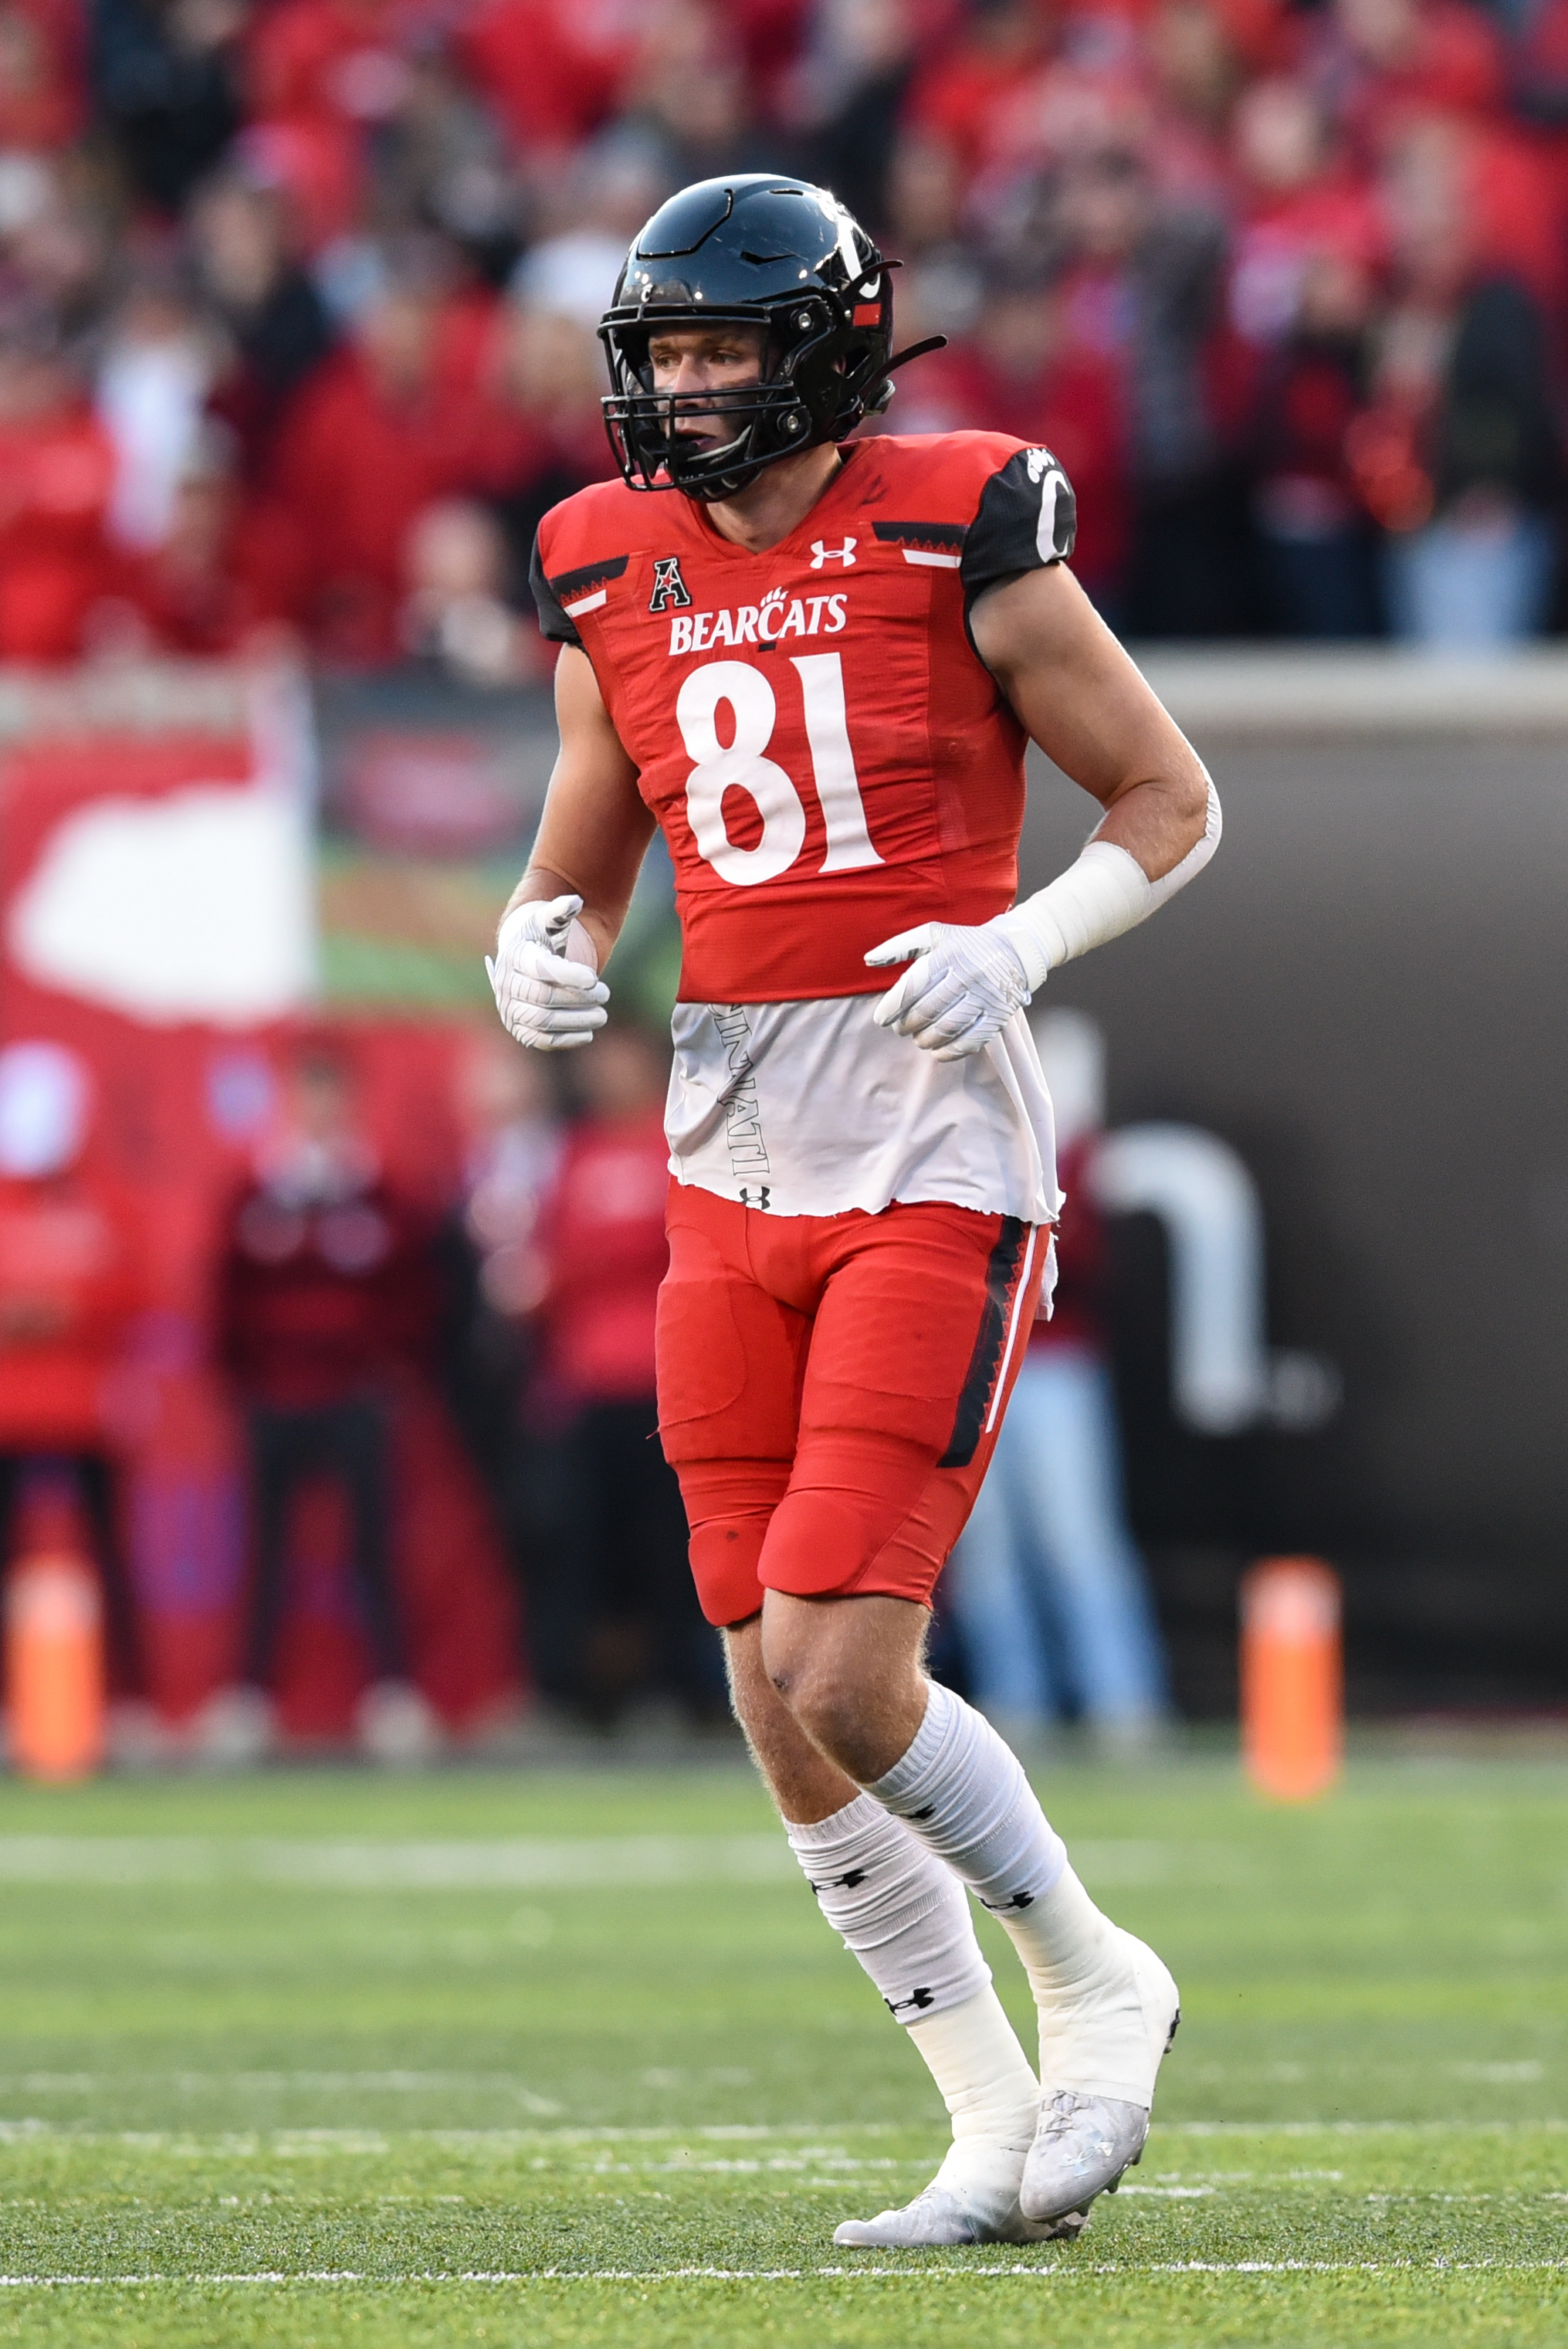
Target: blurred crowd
{"points": [[298, 297], [346, 1304]]}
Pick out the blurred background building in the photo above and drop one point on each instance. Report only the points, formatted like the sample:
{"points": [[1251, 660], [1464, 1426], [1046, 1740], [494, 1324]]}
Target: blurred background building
{"points": [[297, 302]]}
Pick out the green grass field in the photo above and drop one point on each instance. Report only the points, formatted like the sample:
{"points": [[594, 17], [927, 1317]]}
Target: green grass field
{"points": [[325, 2060]]}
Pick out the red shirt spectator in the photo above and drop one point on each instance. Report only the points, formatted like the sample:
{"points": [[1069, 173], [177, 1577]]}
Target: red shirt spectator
{"points": [[327, 61], [1380, 62], [224, 571], [551, 69], [1518, 211], [602, 1232], [955, 94], [40, 74], [1299, 203], [56, 471], [328, 1283], [70, 1282], [324, 1297], [384, 429], [1023, 375]]}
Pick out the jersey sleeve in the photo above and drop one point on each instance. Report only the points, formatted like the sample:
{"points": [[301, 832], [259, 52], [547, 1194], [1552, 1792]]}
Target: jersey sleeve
{"points": [[553, 621], [1027, 520]]}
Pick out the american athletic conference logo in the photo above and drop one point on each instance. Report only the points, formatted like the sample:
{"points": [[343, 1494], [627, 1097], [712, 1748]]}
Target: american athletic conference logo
{"points": [[669, 587]]}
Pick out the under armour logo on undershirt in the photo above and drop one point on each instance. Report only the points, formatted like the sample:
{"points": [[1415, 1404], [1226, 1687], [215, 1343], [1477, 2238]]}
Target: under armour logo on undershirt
{"points": [[759, 1198], [845, 554]]}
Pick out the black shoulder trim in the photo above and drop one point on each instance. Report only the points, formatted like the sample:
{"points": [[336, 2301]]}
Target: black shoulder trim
{"points": [[553, 623], [567, 583], [1027, 521], [948, 535]]}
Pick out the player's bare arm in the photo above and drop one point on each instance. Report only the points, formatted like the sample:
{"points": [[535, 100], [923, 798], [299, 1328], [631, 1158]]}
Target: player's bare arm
{"points": [[1086, 704], [563, 919], [595, 829], [1078, 695]]}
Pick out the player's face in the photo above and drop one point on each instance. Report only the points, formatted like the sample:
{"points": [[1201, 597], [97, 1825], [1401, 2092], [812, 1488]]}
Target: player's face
{"points": [[706, 358]]}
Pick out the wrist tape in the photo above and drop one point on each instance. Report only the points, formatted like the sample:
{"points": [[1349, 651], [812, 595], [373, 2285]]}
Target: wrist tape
{"points": [[1095, 900]]}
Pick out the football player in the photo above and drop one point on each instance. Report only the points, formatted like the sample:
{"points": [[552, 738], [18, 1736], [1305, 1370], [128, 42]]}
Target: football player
{"points": [[815, 664]]}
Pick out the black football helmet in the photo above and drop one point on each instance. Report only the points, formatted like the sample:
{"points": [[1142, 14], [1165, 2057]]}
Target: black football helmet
{"points": [[753, 251]]}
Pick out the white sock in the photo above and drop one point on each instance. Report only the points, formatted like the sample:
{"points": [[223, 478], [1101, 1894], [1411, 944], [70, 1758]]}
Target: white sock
{"points": [[899, 1912], [905, 1918], [964, 1794]]}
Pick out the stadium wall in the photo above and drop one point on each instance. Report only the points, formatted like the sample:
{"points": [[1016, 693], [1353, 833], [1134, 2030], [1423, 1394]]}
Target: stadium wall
{"points": [[1365, 998]]}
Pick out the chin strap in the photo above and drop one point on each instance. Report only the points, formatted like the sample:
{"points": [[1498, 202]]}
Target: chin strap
{"points": [[877, 405], [916, 351]]}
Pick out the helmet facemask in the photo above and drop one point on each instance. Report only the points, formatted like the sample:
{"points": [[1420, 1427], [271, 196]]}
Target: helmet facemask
{"points": [[812, 388]]}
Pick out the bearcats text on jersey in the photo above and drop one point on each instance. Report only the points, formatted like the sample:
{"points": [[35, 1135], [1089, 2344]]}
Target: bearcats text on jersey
{"points": [[777, 616]]}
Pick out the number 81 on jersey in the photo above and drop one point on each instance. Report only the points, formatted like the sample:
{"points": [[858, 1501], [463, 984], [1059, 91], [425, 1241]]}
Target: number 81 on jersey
{"points": [[743, 764]]}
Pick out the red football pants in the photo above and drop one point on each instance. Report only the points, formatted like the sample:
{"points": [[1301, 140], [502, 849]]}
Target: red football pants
{"points": [[831, 1388]]}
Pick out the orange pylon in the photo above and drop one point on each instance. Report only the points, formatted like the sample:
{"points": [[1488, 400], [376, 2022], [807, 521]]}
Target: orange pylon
{"points": [[1293, 1681], [53, 1644]]}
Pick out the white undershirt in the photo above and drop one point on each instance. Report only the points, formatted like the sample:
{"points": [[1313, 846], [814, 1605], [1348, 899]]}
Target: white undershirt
{"points": [[812, 1109]]}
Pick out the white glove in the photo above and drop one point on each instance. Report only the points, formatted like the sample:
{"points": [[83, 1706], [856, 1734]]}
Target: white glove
{"points": [[962, 991], [545, 998]]}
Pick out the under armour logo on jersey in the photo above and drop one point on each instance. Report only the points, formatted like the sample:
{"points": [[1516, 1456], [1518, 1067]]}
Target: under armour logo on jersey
{"points": [[669, 587], [757, 1198], [822, 553]]}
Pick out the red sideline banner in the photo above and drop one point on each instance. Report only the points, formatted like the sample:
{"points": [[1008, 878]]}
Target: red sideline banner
{"points": [[157, 915]]}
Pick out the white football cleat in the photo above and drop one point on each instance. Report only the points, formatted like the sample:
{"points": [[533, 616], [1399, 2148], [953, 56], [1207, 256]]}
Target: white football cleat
{"points": [[1083, 2146], [972, 2198], [1087, 2140]]}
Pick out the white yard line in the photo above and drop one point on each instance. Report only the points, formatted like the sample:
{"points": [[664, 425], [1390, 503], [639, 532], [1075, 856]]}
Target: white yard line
{"points": [[245, 2143], [531, 1863], [1063, 2269], [527, 1863]]}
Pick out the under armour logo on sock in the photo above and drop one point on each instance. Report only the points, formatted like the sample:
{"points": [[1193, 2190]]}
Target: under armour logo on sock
{"points": [[836, 1883], [1017, 1900], [929, 1812], [917, 1998]]}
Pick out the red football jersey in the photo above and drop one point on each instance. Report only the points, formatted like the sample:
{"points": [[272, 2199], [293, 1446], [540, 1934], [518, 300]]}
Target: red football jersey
{"points": [[828, 758]]}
